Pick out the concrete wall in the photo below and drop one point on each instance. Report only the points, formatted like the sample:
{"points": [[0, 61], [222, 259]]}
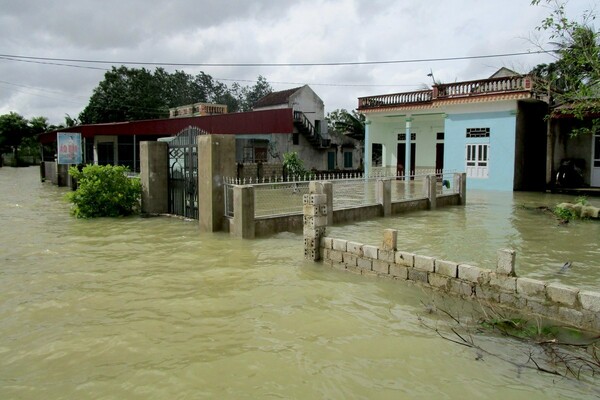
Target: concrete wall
{"points": [[497, 285]]}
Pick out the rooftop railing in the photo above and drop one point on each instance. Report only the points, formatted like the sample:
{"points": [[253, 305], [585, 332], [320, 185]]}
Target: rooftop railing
{"points": [[481, 87]]}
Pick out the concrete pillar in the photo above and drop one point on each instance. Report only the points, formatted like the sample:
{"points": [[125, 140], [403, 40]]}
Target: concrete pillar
{"points": [[62, 174], [460, 182], [430, 189], [506, 262], [314, 221], [384, 195], [154, 176], [216, 161], [390, 240], [326, 188], [243, 212], [42, 170]]}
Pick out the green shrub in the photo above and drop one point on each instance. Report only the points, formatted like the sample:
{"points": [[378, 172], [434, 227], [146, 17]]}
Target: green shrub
{"points": [[564, 214], [104, 191], [293, 164]]}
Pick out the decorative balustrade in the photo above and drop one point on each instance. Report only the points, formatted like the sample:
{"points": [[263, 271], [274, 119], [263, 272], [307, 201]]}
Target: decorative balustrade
{"points": [[421, 96], [451, 90], [482, 87]]}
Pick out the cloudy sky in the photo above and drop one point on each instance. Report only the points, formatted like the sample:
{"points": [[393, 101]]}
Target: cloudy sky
{"points": [[259, 32]]}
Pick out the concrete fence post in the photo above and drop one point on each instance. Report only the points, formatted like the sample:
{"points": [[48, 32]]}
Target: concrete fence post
{"points": [[216, 160], [430, 188], [390, 240], [326, 188], [460, 182], [62, 175], [506, 262], [154, 177], [384, 195], [243, 212], [314, 220]]}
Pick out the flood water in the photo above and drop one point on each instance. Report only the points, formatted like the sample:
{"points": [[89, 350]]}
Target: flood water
{"points": [[137, 308]]}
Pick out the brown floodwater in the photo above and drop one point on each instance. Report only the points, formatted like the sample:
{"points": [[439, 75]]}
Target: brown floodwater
{"points": [[150, 308]]}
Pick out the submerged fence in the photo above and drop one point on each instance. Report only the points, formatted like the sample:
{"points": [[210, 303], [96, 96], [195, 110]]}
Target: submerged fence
{"points": [[273, 197]]}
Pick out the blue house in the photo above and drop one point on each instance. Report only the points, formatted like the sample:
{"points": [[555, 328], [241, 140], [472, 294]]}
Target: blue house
{"points": [[493, 129]]}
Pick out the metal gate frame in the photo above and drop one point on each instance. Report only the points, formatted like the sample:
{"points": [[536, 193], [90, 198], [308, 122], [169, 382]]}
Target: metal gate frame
{"points": [[183, 173]]}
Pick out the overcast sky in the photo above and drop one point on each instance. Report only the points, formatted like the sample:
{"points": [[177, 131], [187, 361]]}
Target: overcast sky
{"points": [[259, 31]]}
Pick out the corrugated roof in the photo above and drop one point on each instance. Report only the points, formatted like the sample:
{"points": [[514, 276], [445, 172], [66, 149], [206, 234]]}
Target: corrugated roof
{"points": [[276, 98]]}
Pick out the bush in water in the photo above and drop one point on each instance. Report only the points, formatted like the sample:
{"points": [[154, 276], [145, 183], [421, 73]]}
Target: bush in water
{"points": [[104, 191]]}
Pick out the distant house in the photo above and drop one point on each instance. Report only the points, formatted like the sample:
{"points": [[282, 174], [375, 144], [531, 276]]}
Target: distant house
{"points": [[493, 129], [310, 138]]}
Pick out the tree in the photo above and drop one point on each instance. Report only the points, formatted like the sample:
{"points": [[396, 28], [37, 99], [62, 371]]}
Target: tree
{"points": [[342, 122], [14, 128], [574, 78], [126, 95], [133, 94], [248, 96]]}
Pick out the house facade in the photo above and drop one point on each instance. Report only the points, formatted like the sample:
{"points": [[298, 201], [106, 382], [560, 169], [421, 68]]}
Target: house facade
{"points": [[493, 129]]}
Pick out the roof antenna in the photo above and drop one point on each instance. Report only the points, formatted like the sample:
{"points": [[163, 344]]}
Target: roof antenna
{"points": [[432, 77]]}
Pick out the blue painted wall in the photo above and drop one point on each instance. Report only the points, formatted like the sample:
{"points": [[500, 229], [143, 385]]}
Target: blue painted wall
{"points": [[501, 162]]}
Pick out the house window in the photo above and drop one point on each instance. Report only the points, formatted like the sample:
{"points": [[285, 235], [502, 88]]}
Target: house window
{"points": [[402, 137], [295, 138], [477, 160], [478, 132], [440, 136], [347, 159], [260, 154]]}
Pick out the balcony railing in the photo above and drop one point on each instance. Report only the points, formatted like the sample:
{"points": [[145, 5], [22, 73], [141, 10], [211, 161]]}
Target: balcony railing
{"points": [[482, 87], [421, 96], [447, 91]]}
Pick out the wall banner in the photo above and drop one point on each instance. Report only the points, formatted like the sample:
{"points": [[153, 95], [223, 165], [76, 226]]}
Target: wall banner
{"points": [[69, 148]]}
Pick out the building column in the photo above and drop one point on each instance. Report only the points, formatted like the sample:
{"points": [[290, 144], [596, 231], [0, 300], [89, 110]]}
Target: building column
{"points": [[407, 163], [368, 149]]}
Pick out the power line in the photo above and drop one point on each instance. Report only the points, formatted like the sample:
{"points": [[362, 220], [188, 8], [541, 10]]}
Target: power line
{"points": [[337, 63]]}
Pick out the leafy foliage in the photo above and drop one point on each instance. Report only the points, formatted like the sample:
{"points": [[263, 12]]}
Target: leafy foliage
{"points": [[574, 78], [293, 164], [18, 135], [104, 191], [135, 94]]}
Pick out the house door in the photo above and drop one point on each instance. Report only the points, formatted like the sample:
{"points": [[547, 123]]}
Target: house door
{"points": [[331, 160], [595, 176], [401, 158], [439, 157], [477, 160]]}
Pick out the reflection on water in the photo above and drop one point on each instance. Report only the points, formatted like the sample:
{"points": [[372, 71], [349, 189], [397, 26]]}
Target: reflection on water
{"points": [[153, 309]]}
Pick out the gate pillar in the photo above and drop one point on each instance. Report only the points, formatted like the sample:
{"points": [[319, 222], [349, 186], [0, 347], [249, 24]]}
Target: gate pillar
{"points": [[154, 175], [216, 160]]}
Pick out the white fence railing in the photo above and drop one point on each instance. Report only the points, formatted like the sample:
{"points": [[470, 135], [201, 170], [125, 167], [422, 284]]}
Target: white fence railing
{"points": [[273, 197]]}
